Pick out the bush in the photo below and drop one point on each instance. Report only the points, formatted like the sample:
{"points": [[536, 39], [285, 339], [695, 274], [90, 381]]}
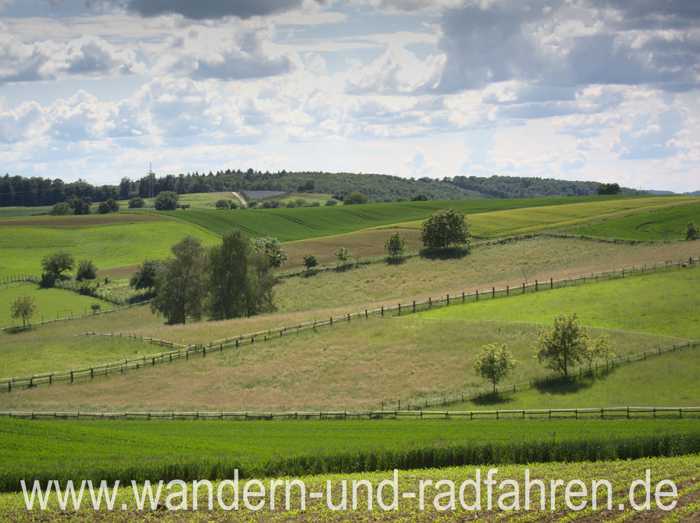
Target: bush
{"points": [[223, 204], [61, 209], [270, 204], [445, 229], [343, 257], [355, 198], [108, 206], [23, 308], [48, 280], [96, 307], [271, 249], [80, 205], [692, 232], [86, 271], [137, 203], [331, 202], [310, 262], [420, 198], [315, 204], [291, 205], [166, 201], [609, 188]]}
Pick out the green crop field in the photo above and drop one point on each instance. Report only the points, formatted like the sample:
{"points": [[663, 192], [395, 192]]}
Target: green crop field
{"points": [[50, 303], [668, 223], [301, 223], [201, 449]]}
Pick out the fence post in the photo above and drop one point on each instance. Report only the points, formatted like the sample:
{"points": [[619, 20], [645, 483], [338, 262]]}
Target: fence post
{"points": [[399, 309], [551, 283], [462, 296], [477, 294], [507, 290], [382, 310], [71, 376], [430, 303], [448, 299], [414, 305], [366, 314], [493, 292], [523, 287], [537, 286]]}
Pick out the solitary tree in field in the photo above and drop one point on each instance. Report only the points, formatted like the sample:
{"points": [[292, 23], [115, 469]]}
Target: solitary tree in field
{"points": [[343, 257], [564, 346], [136, 203], [692, 232], [166, 201], [23, 308], [181, 283], [395, 247], [494, 363], [445, 229]]}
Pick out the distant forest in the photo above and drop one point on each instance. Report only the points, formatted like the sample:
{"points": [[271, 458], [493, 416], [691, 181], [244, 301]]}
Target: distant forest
{"points": [[21, 191]]}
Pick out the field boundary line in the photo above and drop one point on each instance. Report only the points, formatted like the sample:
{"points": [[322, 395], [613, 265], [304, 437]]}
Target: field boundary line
{"points": [[628, 412], [8, 384]]}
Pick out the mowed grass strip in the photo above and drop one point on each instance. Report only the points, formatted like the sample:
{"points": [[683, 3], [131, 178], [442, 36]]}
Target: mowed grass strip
{"points": [[212, 449], [663, 303], [666, 223], [110, 245], [50, 303]]}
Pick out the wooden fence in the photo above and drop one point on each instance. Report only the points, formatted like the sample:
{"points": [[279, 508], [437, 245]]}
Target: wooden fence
{"points": [[122, 366], [515, 414]]}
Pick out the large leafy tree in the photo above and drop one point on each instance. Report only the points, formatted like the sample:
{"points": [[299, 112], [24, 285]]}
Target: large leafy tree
{"points": [[180, 285], [145, 275], [445, 229], [564, 346], [54, 266], [240, 278]]}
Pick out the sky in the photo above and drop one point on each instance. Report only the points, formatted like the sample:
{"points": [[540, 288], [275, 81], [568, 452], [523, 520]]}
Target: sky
{"points": [[604, 90]]}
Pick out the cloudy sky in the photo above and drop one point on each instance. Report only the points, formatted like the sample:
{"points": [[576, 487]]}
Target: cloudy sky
{"points": [[575, 89]]}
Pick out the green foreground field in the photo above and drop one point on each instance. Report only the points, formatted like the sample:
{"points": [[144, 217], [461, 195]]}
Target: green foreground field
{"points": [[212, 449], [50, 303]]}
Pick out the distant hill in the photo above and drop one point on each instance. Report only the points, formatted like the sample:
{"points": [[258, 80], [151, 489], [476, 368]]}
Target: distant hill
{"points": [[20, 191]]}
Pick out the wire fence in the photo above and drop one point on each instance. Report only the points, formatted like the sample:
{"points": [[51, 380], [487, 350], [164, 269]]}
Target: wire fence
{"points": [[609, 413], [180, 351]]}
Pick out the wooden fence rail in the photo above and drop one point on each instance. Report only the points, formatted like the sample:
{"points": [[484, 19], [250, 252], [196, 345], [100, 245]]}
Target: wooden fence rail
{"points": [[516, 414], [185, 352]]}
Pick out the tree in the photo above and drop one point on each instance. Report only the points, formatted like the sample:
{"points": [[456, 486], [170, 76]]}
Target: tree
{"points": [[136, 203], [494, 363], [609, 188], [240, 279], [355, 198], [86, 270], [180, 286], [61, 209], [166, 201], [145, 275], [395, 247], [80, 205], [310, 262], [599, 350], [564, 346], [343, 257], [23, 308], [445, 229], [223, 204], [54, 265], [272, 249], [692, 233]]}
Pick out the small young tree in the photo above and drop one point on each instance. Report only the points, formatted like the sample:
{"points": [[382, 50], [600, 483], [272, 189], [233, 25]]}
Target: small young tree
{"points": [[145, 275], [343, 257], [136, 203], [180, 286], [494, 363], [445, 229], [564, 346], [395, 247], [54, 265], [310, 262], [272, 249], [23, 308], [692, 232], [86, 270], [166, 201]]}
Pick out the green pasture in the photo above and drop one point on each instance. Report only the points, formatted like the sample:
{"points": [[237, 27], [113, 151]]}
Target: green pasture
{"points": [[666, 223], [109, 245], [50, 303], [12, 212], [665, 303], [210, 449]]}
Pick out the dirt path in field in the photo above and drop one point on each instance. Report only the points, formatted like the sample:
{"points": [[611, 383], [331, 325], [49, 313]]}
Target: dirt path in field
{"points": [[238, 195]]}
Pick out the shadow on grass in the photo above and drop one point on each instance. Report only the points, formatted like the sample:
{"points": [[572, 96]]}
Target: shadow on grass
{"points": [[492, 398], [572, 384], [18, 329], [450, 253]]}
